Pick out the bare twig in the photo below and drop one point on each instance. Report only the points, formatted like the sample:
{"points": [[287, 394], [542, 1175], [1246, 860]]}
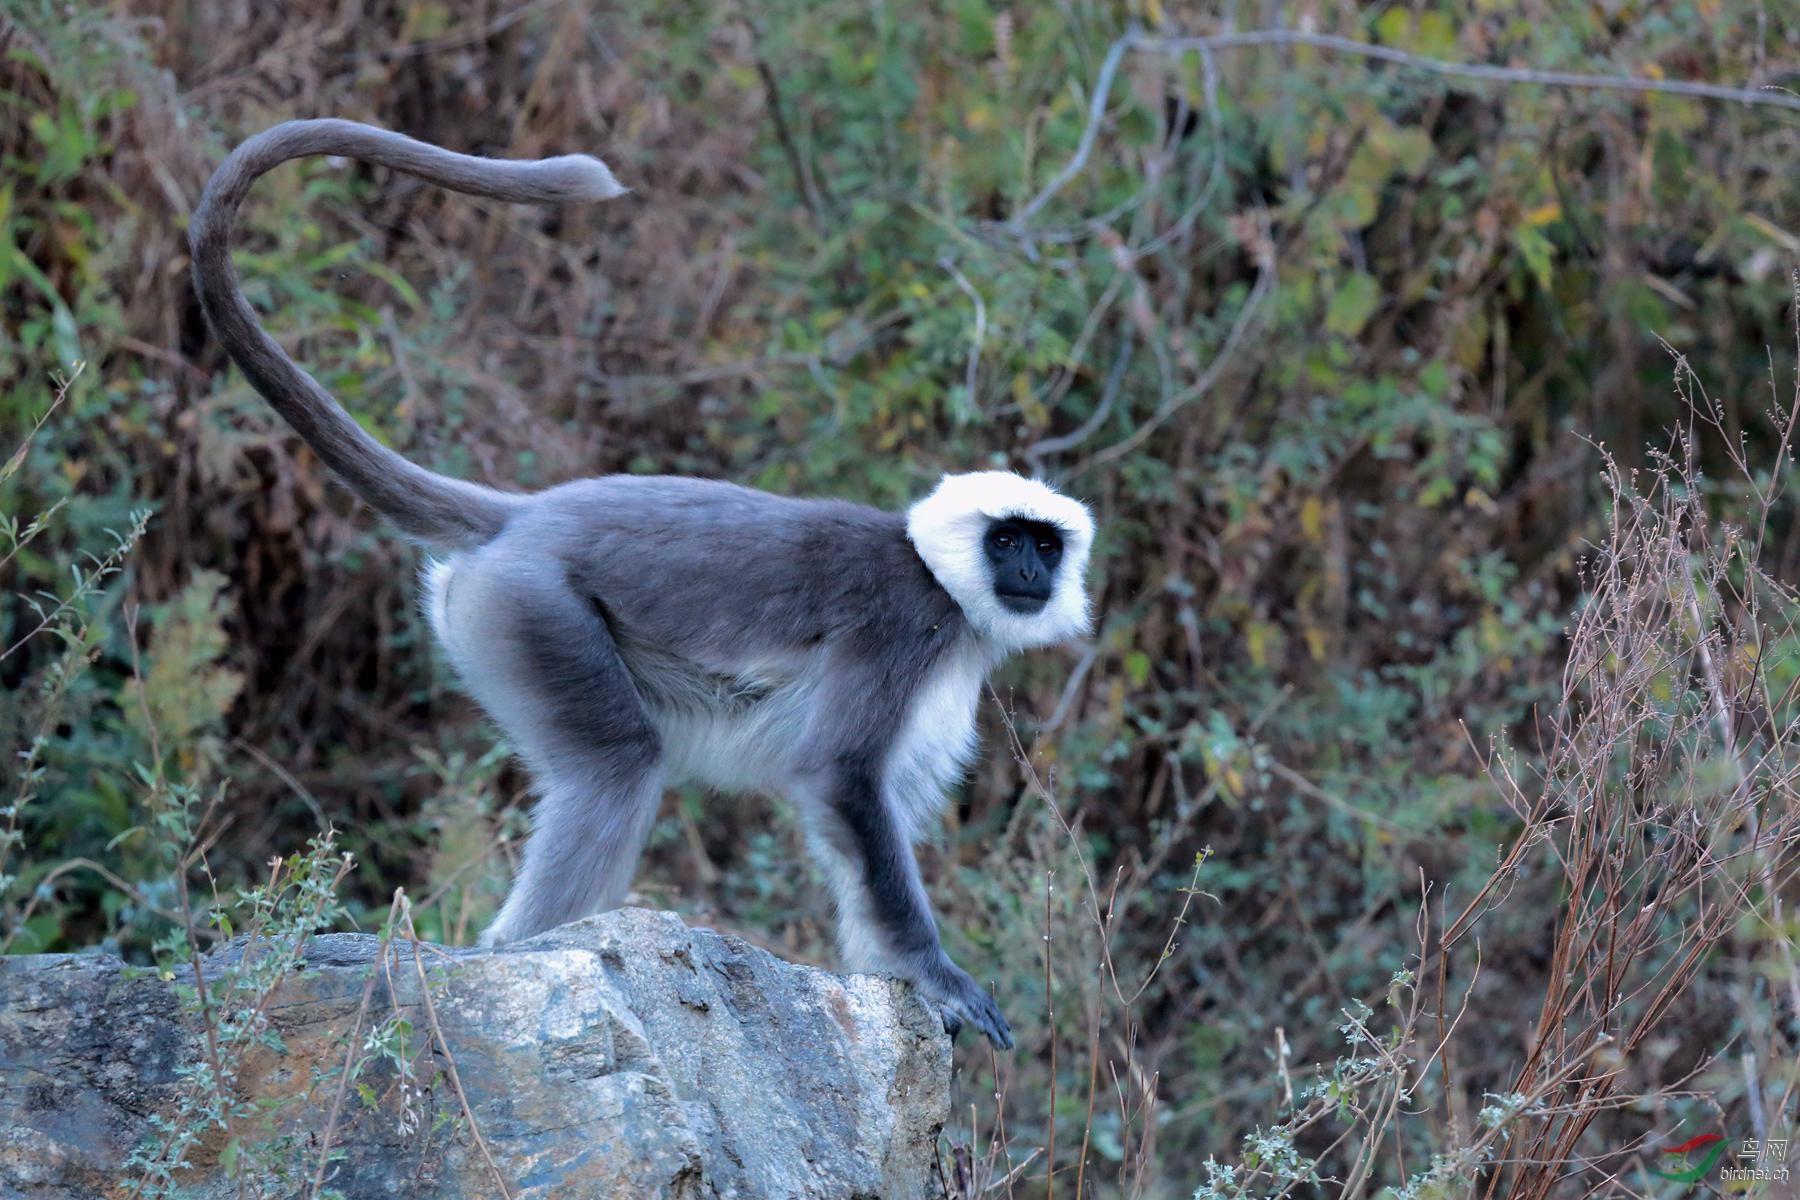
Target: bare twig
{"points": [[67, 866], [976, 339], [1764, 96], [1767, 97], [1045, 447], [1071, 692], [437, 1035], [1089, 134], [352, 1046], [1050, 1021], [810, 191], [1246, 317]]}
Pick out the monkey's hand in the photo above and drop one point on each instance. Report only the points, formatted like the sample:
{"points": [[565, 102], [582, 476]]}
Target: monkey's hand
{"points": [[963, 1002]]}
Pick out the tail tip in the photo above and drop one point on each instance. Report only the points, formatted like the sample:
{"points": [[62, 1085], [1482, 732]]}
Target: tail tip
{"points": [[587, 178]]}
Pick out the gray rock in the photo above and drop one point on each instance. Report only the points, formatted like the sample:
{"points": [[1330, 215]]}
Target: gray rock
{"points": [[625, 1055]]}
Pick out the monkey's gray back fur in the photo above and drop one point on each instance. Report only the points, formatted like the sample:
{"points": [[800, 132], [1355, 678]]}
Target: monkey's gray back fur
{"points": [[627, 630], [755, 572]]}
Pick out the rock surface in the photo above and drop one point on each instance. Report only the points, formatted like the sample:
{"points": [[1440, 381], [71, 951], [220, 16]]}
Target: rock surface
{"points": [[625, 1055]]}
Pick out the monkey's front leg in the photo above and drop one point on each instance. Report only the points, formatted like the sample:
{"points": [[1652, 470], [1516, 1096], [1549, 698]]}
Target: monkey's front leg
{"points": [[884, 920]]}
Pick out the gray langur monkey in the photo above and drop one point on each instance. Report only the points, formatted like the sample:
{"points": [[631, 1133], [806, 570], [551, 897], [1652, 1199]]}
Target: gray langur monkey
{"points": [[627, 631]]}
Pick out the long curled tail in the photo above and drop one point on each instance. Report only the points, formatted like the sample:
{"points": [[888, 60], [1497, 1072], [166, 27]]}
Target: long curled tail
{"points": [[434, 509]]}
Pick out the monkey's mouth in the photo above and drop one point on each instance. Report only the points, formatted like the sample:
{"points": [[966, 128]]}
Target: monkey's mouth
{"points": [[1025, 606]]}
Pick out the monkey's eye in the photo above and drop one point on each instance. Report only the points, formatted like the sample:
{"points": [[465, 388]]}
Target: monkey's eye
{"points": [[1046, 546], [1004, 540]]}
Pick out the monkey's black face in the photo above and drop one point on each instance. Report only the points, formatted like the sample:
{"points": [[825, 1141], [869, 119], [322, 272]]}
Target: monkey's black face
{"points": [[1023, 556]]}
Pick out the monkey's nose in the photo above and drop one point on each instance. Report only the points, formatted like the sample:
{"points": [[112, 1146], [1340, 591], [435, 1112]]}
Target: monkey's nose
{"points": [[1028, 574]]}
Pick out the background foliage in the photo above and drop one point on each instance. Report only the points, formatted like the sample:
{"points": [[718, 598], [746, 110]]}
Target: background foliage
{"points": [[1327, 343]]}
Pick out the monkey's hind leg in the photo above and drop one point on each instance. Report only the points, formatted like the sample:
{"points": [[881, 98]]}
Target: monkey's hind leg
{"points": [[539, 659]]}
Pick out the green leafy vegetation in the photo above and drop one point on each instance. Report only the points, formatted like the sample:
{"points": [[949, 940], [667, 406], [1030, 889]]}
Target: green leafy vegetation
{"points": [[1421, 816]]}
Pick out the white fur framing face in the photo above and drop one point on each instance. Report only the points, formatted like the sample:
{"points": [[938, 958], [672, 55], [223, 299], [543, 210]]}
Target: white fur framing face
{"points": [[947, 528]]}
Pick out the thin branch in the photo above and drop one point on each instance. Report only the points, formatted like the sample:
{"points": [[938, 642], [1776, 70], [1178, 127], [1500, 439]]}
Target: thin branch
{"points": [[803, 176], [351, 1045], [443, 1045], [42, 889], [972, 372], [1071, 690], [1265, 283], [1050, 1022], [1766, 96], [1089, 135], [1037, 452]]}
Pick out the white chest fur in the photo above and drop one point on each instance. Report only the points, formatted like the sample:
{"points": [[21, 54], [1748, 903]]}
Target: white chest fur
{"points": [[753, 748], [938, 739]]}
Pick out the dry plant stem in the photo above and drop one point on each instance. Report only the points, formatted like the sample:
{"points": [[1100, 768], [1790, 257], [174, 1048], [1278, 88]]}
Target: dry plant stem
{"points": [[1050, 1022], [501, 845], [1307, 787], [1785, 431], [52, 705], [437, 1035], [1000, 1143], [1134, 1091], [1071, 690], [351, 1047], [1281, 1067], [1087, 1126], [286, 777], [480, 33], [1646, 622], [102, 567], [1397, 1087], [11, 467], [62, 384], [1068, 370], [1018, 1172], [1036, 784], [157, 783], [1445, 1033], [1089, 134], [1187, 899], [1190, 806], [1036, 453], [1452, 1100], [804, 182]]}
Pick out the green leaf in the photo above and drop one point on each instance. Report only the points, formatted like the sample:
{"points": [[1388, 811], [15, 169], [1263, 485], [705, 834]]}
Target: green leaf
{"points": [[1537, 251], [1394, 27], [1353, 304], [1137, 668], [1435, 36], [1412, 148]]}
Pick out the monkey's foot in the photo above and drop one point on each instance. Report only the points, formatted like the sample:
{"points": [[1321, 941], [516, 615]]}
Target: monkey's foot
{"points": [[963, 1002]]}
